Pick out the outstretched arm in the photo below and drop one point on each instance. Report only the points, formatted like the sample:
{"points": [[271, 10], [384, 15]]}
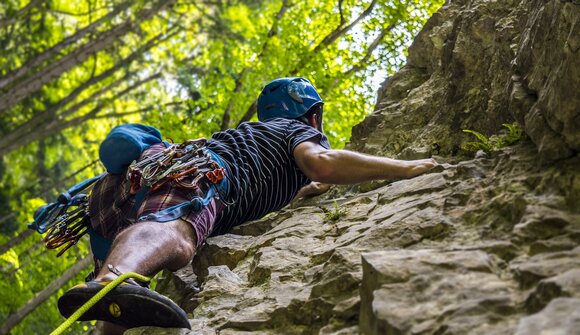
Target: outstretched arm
{"points": [[348, 167]]}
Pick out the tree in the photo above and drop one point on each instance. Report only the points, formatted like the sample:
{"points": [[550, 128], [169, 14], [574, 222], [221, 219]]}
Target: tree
{"points": [[21, 313]]}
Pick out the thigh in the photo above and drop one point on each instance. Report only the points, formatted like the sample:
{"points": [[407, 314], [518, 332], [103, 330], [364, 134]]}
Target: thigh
{"points": [[169, 195]]}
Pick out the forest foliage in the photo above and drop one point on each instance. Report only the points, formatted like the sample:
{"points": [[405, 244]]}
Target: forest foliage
{"points": [[71, 70]]}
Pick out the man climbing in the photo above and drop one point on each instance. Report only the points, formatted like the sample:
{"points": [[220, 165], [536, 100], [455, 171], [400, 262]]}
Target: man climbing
{"points": [[255, 169]]}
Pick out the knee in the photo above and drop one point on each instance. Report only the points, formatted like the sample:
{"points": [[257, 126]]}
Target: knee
{"points": [[184, 240], [184, 253], [177, 238]]}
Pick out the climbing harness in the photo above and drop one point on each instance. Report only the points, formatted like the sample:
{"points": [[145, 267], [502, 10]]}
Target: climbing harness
{"points": [[184, 165], [91, 302]]}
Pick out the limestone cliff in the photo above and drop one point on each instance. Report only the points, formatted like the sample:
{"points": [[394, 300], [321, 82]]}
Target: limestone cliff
{"points": [[484, 245]]}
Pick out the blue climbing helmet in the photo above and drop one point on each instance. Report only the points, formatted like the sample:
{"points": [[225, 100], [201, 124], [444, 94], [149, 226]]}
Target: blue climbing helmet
{"points": [[289, 98]]}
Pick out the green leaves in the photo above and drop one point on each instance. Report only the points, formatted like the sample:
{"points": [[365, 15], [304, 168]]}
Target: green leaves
{"points": [[335, 47], [514, 134], [495, 142], [333, 214]]}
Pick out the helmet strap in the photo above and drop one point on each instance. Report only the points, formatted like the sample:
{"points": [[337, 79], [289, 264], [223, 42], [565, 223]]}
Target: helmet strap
{"points": [[313, 118], [313, 121]]}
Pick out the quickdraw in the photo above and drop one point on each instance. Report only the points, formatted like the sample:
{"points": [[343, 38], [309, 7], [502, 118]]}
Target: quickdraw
{"points": [[177, 164], [216, 175], [66, 220], [67, 233], [183, 165]]}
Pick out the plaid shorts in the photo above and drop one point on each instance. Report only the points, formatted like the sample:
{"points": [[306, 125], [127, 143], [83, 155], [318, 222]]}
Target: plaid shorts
{"points": [[112, 207]]}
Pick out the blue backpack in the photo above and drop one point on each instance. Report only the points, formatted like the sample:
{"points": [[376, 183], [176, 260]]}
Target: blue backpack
{"points": [[126, 143]]}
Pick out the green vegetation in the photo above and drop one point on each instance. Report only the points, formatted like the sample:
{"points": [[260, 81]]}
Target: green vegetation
{"points": [[71, 70], [512, 135], [333, 214]]}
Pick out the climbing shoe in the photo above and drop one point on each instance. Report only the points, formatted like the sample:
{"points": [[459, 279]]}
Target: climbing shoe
{"points": [[127, 305]]}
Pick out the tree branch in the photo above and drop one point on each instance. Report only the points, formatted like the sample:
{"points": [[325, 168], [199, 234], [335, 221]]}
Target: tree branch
{"points": [[75, 121], [341, 30], [342, 19], [137, 111], [17, 16], [57, 126], [326, 41], [23, 235], [11, 141], [365, 60], [54, 51], [253, 109], [241, 76], [335, 34], [29, 85], [219, 24], [22, 312], [372, 47], [64, 12]]}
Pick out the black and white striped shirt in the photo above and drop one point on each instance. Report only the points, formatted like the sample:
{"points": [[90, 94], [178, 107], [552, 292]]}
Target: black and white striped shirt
{"points": [[262, 173]]}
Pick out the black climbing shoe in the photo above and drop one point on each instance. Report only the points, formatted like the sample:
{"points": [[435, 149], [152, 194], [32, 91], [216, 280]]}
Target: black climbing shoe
{"points": [[126, 305]]}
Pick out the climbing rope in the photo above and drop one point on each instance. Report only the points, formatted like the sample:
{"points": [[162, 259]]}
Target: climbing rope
{"points": [[91, 302]]}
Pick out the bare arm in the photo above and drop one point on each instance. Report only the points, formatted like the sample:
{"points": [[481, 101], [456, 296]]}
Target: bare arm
{"points": [[348, 167]]}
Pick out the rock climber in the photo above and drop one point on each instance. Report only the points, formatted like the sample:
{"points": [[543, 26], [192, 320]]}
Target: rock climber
{"points": [[254, 169]]}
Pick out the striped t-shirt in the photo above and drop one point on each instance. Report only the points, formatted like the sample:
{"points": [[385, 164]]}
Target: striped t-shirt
{"points": [[262, 173]]}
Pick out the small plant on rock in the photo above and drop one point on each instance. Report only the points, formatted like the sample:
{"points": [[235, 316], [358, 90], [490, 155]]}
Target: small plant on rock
{"points": [[333, 214], [513, 134]]}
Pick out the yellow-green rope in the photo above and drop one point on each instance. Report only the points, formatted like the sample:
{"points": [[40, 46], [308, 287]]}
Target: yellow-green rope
{"points": [[95, 299]]}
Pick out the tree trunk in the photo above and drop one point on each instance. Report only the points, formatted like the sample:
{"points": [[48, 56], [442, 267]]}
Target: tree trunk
{"points": [[42, 296], [55, 50], [13, 139], [25, 87], [15, 240]]}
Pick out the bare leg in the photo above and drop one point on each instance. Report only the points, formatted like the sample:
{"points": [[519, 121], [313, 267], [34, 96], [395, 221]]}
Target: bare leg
{"points": [[149, 247]]}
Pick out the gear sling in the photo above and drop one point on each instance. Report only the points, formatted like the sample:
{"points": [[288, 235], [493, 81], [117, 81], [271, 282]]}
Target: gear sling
{"points": [[66, 220]]}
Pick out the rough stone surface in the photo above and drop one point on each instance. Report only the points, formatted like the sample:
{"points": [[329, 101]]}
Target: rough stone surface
{"points": [[560, 317], [414, 291], [484, 245], [478, 64]]}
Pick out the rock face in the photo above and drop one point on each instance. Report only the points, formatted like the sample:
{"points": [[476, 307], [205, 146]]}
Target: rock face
{"points": [[476, 65], [485, 245]]}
